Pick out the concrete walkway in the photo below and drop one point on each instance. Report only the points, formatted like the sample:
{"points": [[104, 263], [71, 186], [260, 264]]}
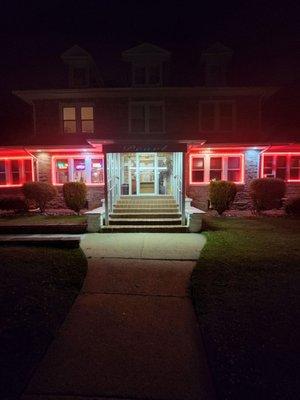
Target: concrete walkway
{"points": [[131, 334]]}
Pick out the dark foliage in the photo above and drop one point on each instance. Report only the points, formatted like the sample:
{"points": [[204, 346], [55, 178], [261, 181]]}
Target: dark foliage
{"points": [[40, 192], [222, 194], [267, 193], [292, 207], [75, 195]]}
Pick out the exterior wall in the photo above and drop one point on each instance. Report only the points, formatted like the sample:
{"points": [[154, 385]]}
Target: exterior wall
{"points": [[111, 115]]}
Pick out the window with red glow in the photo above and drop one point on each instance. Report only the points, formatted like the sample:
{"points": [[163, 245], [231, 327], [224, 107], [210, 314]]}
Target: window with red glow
{"points": [[283, 166], [234, 169], [15, 172], [215, 168], [88, 169], [207, 167], [197, 169]]}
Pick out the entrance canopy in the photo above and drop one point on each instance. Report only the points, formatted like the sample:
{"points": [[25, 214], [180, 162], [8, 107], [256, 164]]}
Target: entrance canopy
{"points": [[145, 147]]}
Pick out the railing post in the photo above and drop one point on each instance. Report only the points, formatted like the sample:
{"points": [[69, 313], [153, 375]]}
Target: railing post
{"points": [[106, 189], [183, 189]]}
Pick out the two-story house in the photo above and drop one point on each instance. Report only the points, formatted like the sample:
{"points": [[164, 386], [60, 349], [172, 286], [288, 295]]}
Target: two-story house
{"points": [[148, 137]]}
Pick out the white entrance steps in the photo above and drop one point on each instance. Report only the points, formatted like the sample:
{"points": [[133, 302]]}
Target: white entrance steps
{"points": [[145, 214]]}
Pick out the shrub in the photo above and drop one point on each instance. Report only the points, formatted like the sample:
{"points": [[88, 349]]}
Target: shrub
{"points": [[40, 192], [13, 203], [292, 207], [267, 193], [75, 195], [222, 194]]}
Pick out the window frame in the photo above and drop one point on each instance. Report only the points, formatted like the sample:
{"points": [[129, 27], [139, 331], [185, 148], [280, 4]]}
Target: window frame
{"points": [[224, 172], [147, 105], [147, 75], [274, 155], [8, 171], [217, 114], [70, 158], [78, 120]]}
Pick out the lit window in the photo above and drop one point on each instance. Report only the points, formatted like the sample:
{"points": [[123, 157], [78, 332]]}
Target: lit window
{"points": [[2, 172], [15, 172], [216, 116], [295, 168], [86, 169], [215, 168], [77, 119], [207, 167], [69, 119], [234, 169], [87, 119], [282, 166], [97, 171], [198, 169], [62, 171], [146, 117], [79, 171]]}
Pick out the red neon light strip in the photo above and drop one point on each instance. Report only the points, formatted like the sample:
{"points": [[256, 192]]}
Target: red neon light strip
{"points": [[280, 153]]}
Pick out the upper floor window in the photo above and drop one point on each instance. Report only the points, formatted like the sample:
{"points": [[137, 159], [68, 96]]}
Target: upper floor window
{"points": [[217, 116], [283, 166], [88, 169], [146, 117], [207, 167], [147, 75], [78, 119], [15, 172]]}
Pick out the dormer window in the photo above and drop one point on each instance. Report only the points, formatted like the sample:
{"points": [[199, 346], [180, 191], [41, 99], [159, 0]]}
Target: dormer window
{"points": [[79, 77], [78, 119], [147, 75]]}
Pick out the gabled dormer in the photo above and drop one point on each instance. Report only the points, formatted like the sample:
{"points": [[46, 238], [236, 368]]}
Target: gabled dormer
{"points": [[147, 64], [82, 68], [216, 60]]}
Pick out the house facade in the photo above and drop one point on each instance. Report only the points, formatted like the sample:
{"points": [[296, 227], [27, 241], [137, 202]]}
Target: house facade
{"points": [[148, 138]]}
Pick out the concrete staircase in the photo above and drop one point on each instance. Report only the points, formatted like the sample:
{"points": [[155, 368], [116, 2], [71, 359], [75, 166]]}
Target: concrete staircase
{"points": [[145, 214]]}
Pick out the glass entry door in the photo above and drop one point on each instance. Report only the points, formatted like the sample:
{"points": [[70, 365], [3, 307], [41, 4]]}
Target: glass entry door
{"points": [[146, 163], [145, 174]]}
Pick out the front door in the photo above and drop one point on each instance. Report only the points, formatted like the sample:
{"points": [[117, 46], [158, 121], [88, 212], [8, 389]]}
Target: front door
{"points": [[147, 173]]}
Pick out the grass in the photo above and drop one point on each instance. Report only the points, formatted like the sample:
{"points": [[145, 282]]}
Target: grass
{"points": [[43, 220], [244, 288], [37, 288]]}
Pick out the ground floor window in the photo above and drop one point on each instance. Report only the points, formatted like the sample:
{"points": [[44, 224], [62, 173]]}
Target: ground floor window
{"points": [[207, 167], [283, 166], [15, 171], [88, 169]]}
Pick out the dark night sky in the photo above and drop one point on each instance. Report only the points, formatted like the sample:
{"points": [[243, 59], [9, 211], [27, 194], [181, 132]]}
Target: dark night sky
{"points": [[34, 34]]}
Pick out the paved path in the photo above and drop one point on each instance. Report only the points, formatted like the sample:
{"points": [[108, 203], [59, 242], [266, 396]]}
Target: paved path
{"points": [[131, 334]]}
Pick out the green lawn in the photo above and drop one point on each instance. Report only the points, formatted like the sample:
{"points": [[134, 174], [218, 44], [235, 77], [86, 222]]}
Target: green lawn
{"points": [[37, 288], [42, 219], [245, 292]]}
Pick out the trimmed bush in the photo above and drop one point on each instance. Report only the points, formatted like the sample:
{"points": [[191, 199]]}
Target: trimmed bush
{"points": [[39, 192], [75, 195], [267, 193], [221, 195], [13, 203], [292, 207]]}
